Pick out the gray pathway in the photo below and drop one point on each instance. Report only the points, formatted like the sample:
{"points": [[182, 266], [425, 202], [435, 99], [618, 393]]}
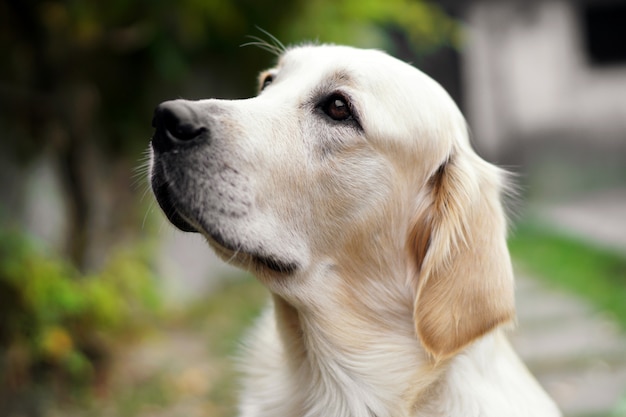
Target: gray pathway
{"points": [[578, 355], [599, 217]]}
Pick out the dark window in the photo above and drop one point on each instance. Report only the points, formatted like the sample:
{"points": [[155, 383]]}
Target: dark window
{"points": [[605, 30]]}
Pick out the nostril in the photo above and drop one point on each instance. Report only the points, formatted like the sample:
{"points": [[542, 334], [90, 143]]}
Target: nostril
{"points": [[175, 123], [187, 131]]}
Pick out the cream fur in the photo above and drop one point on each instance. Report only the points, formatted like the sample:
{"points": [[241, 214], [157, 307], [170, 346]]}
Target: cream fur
{"points": [[401, 278]]}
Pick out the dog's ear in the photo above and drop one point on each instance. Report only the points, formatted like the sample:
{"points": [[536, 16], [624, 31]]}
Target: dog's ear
{"points": [[463, 275]]}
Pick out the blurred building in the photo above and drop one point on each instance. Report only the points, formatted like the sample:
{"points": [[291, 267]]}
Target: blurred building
{"points": [[554, 70]]}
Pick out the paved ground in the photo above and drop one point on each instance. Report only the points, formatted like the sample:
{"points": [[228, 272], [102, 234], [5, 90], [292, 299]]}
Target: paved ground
{"points": [[599, 217], [578, 355]]}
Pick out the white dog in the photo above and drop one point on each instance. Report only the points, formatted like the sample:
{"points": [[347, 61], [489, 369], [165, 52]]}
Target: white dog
{"points": [[348, 186]]}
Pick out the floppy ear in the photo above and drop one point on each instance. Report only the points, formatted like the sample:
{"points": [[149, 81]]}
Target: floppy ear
{"points": [[464, 279]]}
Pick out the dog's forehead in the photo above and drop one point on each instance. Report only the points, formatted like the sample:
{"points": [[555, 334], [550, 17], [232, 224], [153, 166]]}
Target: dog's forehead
{"points": [[324, 54], [341, 62], [411, 99]]}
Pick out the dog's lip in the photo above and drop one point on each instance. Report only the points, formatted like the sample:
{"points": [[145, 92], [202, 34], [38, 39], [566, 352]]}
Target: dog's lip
{"points": [[181, 221], [268, 261], [164, 198], [233, 249]]}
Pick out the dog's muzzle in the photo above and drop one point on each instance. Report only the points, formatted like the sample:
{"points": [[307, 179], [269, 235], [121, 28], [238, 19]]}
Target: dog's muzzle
{"points": [[177, 128]]}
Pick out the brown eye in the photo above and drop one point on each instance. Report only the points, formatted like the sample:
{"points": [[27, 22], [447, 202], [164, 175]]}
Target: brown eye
{"points": [[337, 108], [266, 81]]}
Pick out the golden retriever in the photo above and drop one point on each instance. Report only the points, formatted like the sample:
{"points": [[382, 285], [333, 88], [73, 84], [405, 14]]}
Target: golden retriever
{"points": [[349, 187]]}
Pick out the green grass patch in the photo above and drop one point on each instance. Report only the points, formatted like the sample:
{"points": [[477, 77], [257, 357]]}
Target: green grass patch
{"points": [[597, 274], [174, 383]]}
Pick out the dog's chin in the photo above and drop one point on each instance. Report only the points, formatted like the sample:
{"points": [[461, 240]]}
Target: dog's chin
{"points": [[246, 258], [228, 249], [168, 206]]}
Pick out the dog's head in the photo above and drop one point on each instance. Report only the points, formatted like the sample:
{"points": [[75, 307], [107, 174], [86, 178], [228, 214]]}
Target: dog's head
{"points": [[348, 162]]}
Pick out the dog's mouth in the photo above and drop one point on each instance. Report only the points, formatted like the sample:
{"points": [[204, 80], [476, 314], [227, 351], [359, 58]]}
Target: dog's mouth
{"points": [[227, 248], [168, 206], [236, 252]]}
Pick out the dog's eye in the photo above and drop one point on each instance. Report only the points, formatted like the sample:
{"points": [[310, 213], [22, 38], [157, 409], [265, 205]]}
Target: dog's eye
{"points": [[337, 107], [267, 80]]}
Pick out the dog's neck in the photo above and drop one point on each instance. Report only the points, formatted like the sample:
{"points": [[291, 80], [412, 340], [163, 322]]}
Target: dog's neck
{"points": [[384, 372], [375, 368]]}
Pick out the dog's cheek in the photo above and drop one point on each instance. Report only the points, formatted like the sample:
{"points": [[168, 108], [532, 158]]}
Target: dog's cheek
{"points": [[349, 190]]}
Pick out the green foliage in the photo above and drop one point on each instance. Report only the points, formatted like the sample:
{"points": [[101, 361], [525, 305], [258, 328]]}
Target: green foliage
{"points": [[369, 24], [90, 66], [595, 274], [51, 316], [203, 380]]}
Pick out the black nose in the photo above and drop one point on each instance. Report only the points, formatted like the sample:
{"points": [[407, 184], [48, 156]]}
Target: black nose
{"points": [[177, 124]]}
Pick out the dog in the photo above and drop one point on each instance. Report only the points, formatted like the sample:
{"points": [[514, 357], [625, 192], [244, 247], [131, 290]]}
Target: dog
{"points": [[348, 186]]}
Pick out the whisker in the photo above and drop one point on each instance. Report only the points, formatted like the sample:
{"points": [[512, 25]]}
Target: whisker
{"points": [[148, 211], [274, 39], [264, 46], [273, 46], [161, 225], [142, 169], [140, 181], [233, 256], [146, 190]]}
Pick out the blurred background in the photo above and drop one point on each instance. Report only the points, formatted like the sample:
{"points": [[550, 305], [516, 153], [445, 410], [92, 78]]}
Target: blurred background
{"points": [[106, 310]]}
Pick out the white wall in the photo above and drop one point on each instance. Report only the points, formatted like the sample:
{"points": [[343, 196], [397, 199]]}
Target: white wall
{"points": [[527, 76]]}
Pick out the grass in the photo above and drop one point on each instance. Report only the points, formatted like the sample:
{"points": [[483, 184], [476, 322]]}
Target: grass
{"points": [[189, 368], [597, 274]]}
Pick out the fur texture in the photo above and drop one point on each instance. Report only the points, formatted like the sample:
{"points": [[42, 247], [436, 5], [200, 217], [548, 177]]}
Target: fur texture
{"points": [[348, 186]]}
